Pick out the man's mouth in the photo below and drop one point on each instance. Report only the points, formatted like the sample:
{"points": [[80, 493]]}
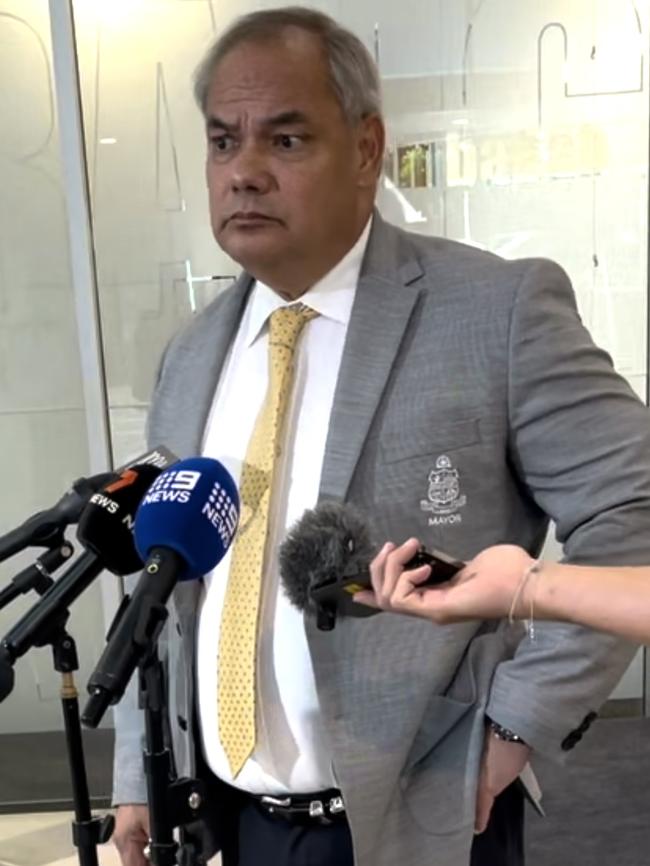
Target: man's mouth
{"points": [[250, 216]]}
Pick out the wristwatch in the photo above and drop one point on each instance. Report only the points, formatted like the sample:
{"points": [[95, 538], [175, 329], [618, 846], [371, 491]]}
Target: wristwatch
{"points": [[504, 734]]}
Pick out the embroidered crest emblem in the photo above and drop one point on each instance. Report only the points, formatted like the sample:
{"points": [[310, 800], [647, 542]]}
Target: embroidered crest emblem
{"points": [[444, 490]]}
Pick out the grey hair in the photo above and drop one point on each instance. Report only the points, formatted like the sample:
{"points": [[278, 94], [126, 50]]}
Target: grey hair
{"points": [[353, 73]]}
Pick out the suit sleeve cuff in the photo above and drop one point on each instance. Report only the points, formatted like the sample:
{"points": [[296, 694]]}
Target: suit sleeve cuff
{"points": [[537, 724]]}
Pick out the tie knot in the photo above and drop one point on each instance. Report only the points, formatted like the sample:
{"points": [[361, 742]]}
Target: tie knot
{"points": [[286, 323]]}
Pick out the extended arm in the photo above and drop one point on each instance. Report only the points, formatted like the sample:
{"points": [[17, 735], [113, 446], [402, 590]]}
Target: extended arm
{"points": [[612, 599]]}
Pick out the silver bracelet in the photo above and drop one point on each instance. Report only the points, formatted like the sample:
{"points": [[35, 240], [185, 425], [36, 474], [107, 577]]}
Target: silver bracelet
{"points": [[531, 572], [504, 734]]}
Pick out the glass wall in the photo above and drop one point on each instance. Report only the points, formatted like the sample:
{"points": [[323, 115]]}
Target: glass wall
{"points": [[532, 139], [43, 436], [520, 127], [156, 259]]}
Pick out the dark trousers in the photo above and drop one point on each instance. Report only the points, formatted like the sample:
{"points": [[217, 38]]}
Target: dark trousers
{"points": [[257, 839], [263, 840], [502, 843]]}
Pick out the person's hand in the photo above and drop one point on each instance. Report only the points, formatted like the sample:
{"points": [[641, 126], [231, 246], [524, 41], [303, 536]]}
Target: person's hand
{"points": [[484, 589], [501, 764], [131, 834]]}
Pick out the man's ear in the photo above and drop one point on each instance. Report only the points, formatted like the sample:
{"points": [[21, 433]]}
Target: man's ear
{"points": [[371, 142]]}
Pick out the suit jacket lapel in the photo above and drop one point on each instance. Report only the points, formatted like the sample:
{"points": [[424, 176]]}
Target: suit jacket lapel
{"points": [[382, 308], [223, 322]]}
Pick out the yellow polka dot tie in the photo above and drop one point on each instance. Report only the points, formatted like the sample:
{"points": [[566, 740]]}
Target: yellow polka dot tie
{"points": [[238, 635]]}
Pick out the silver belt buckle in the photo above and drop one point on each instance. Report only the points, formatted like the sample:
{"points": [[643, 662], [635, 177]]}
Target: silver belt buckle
{"points": [[316, 809], [337, 805], [272, 803]]}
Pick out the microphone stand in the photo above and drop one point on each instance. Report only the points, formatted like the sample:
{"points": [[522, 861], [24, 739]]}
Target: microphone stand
{"points": [[87, 832], [172, 802], [37, 576]]}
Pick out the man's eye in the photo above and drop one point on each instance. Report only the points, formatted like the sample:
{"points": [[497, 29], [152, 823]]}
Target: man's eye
{"points": [[288, 142], [221, 143]]}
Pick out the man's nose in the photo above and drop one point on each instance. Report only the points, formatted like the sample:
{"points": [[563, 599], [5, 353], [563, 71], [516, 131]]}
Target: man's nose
{"points": [[250, 172]]}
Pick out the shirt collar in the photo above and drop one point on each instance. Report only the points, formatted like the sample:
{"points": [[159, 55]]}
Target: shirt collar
{"points": [[332, 296]]}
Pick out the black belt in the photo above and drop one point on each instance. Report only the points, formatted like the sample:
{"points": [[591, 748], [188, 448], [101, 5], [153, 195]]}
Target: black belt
{"points": [[324, 807]]}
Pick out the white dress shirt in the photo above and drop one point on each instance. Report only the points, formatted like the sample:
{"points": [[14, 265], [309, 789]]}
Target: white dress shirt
{"points": [[291, 755]]}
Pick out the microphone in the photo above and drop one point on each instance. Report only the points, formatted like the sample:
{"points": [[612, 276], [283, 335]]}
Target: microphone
{"points": [[324, 561], [183, 528], [105, 530], [45, 528]]}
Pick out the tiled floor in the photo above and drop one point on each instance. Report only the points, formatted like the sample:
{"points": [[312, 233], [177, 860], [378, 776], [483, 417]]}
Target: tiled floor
{"points": [[45, 839]]}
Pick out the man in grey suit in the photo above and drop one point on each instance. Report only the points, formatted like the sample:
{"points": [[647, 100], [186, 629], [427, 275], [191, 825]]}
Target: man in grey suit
{"points": [[448, 394]]}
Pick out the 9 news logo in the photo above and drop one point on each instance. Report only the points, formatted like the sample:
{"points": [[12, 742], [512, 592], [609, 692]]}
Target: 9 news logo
{"points": [[174, 486], [222, 513], [177, 486]]}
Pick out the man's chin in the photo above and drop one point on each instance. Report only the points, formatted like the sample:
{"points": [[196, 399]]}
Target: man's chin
{"points": [[253, 253]]}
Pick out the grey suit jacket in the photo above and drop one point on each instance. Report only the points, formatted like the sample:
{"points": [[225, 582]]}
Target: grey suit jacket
{"points": [[471, 405]]}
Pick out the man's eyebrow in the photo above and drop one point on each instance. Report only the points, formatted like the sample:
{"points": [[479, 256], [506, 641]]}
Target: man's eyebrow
{"points": [[214, 123], [285, 118]]}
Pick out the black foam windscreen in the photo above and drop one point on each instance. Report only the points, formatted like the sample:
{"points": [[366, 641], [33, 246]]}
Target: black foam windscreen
{"points": [[328, 541], [106, 525], [325, 560]]}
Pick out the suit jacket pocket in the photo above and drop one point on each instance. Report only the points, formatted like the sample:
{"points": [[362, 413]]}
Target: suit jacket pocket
{"points": [[443, 714], [441, 771], [438, 786], [420, 440]]}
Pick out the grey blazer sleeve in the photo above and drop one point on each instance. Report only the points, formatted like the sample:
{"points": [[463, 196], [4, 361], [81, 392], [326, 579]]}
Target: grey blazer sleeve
{"points": [[580, 441], [128, 771], [129, 784]]}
